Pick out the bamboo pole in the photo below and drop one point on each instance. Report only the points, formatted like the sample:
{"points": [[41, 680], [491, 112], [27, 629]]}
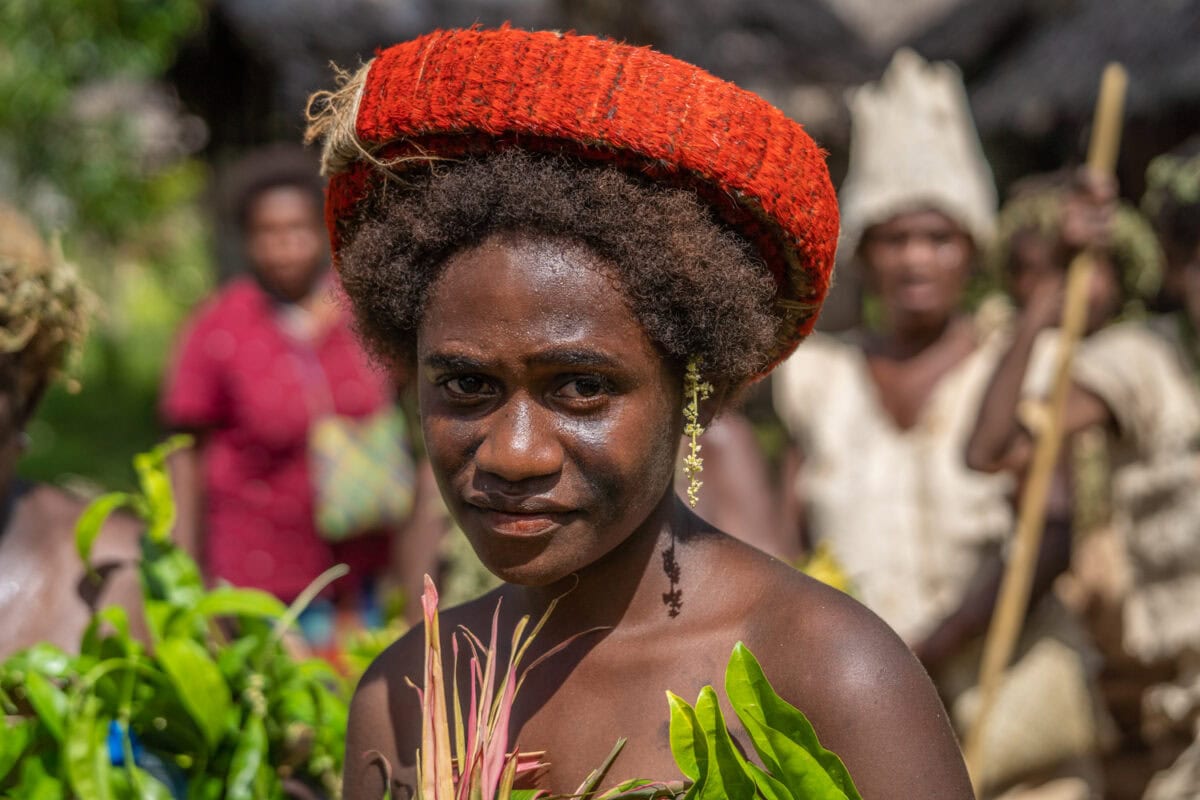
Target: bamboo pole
{"points": [[1013, 601]]}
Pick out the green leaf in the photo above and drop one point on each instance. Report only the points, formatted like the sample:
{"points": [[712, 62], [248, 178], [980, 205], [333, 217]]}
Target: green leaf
{"points": [[159, 498], [44, 658], [137, 784], [233, 658], [687, 737], [86, 753], [49, 701], [248, 760], [94, 637], [37, 783], [199, 682], [171, 588], [15, 737], [724, 779], [226, 601], [782, 736], [92, 520]]}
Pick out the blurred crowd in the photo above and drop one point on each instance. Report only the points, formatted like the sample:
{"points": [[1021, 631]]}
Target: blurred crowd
{"points": [[888, 458]]}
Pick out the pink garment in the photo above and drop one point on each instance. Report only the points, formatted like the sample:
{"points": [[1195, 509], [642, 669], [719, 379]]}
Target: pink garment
{"points": [[255, 391]]}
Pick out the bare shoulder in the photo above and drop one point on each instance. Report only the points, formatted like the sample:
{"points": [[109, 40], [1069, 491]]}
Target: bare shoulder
{"points": [[383, 732], [868, 697]]}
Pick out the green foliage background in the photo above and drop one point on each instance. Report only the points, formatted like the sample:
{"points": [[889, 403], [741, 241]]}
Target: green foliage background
{"points": [[133, 227]]}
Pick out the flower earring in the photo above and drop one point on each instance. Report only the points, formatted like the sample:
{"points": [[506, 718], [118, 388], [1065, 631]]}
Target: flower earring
{"points": [[694, 391]]}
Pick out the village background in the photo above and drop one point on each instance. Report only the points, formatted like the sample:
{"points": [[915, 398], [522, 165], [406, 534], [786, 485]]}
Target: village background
{"points": [[117, 118]]}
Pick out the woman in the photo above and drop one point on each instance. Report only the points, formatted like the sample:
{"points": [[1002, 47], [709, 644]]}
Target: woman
{"points": [[550, 228], [883, 486], [258, 368], [46, 595]]}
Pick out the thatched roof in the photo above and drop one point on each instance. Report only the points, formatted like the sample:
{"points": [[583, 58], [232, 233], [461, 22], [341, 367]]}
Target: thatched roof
{"points": [[1053, 73]]}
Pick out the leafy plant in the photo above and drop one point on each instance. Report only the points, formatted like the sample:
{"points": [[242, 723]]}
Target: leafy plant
{"points": [[198, 713], [480, 765], [796, 766]]}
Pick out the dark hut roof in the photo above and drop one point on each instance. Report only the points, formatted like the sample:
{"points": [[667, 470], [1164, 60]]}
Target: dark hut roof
{"points": [[754, 42], [1053, 74]]}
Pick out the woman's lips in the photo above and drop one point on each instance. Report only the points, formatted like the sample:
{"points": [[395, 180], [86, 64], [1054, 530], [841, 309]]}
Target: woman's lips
{"points": [[521, 524]]}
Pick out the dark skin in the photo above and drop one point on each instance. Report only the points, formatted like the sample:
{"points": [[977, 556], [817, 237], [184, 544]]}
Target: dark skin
{"points": [[552, 424], [999, 441], [918, 264], [737, 496], [45, 592]]}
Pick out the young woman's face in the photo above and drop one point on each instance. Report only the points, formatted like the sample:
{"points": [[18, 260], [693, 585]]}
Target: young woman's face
{"points": [[918, 263], [550, 418], [285, 241]]}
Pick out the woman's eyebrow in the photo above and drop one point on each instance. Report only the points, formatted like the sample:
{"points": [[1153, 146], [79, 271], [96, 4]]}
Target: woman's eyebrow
{"points": [[573, 357], [445, 361]]}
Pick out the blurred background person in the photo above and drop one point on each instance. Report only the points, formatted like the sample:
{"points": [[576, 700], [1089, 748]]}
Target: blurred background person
{"points": [[881, 435], [1029, 261], [46, 594], [297, 434], [1134, 380]]}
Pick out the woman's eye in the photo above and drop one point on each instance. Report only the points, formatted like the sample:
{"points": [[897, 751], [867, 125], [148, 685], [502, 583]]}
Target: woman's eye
{"points": [[583, 388], [467, 385]]}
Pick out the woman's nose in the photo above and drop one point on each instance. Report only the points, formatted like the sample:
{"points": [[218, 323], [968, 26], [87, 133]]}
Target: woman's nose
{"points": [[520, 444]]}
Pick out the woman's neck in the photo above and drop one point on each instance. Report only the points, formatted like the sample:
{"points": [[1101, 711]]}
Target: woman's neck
{"points": [[634, 584], [903, 339]]}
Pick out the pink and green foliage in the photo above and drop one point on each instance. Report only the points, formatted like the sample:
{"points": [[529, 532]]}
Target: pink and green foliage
{"points": [[480, 764], [482, 767]]}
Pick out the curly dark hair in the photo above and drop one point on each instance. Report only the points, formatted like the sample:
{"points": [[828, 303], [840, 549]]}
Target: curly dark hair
{"points": [[697, 288]]}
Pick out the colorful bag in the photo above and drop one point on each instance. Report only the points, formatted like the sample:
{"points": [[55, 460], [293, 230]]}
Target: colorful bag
{"points": [[362, 473]]}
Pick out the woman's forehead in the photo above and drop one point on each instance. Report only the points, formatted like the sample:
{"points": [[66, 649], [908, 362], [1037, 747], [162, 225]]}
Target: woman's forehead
{"points": [[533, 297]]}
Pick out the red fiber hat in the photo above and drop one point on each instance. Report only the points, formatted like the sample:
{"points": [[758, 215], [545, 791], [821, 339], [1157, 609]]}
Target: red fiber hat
{"points": [[461, 92]]}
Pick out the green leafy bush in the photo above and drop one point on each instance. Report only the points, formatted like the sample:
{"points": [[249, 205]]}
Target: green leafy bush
{"points": [[197, 713]]}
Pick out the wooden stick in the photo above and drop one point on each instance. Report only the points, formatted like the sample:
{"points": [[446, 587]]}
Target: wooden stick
{"points": [[1013, 601]]}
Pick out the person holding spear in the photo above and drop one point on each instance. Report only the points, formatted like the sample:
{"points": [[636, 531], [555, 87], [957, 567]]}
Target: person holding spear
{"points": [[1133, 382], [1133, 379], [883, 483]]}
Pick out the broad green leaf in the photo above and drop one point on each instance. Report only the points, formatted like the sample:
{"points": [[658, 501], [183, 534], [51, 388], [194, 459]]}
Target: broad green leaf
{"points": [[92, 520], [95, 636], [86, 753], [44, 658], [199, 682], [206, 787], [725, 778], [37, 783], [782, 735], [248, 759], [137, 784], [226, 601], [15, 737], [156, 488], [687, 737], [716, 735], [170, 574], [158, 615], [233, 658], [49, 701], [769, 787]]}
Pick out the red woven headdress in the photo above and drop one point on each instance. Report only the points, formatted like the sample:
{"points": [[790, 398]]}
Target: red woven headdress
{"points": [[453, 93]]}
